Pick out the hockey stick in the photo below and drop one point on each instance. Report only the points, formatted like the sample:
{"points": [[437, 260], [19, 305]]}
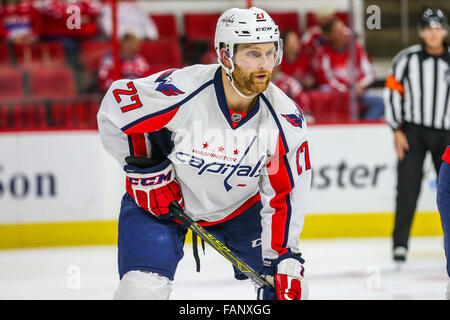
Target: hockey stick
{"points": [[177, 212]]}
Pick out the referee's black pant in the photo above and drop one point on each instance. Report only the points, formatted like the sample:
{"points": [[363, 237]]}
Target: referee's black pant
{"points": [[410, 173]]}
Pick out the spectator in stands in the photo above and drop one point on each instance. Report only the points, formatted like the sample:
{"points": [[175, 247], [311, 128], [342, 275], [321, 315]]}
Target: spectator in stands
{"points": [[293, 88], [19, 21], [56, 17], [336, 71], [131, 64], [295, 62], [59, 24], [130, 19], [312, 38]]}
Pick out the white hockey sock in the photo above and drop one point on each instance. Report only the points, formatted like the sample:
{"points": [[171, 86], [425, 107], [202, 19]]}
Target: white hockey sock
{"points": [[143, 285]]}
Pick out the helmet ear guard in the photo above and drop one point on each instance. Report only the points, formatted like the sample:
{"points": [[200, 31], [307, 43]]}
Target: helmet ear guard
{"points": [[229, 56]]}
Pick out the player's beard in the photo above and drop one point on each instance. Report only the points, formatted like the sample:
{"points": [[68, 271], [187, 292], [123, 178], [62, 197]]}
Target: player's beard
{"points": [[248, 83]]}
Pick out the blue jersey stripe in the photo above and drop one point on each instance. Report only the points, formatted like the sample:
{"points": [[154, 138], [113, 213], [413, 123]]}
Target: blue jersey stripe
{"points": [[274, 115]]}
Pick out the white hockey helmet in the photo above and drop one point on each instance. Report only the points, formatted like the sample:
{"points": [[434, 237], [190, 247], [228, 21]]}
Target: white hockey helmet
{"points": [[252, 25]]}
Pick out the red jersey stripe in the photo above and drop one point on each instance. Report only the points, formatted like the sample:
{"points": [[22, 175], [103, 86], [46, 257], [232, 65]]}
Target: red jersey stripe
{"points": [[446, 156], [139, 145], [245, 206], [152, 124], [280, 182]]}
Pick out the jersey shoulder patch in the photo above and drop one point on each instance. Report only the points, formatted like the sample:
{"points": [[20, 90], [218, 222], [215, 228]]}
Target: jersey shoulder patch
{"points": [[165, 85], [288, 117], [176, 82], [288, 111], [296, 119]]}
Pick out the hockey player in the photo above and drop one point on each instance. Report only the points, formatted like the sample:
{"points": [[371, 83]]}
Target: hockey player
{"points": [[443, 202], [229, 146]]}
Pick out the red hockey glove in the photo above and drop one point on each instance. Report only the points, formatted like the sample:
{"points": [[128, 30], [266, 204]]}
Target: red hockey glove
{"points": [[153, 188], [288, 280]]}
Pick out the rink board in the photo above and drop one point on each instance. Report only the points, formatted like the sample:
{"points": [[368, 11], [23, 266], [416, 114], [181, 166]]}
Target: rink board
{"points": [[62, 188]]}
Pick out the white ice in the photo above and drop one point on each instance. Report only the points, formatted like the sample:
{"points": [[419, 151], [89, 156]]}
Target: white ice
{"points": [[348, 269]]}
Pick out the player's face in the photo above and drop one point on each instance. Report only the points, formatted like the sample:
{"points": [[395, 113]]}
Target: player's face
{"points": [[433, 37], [253, 67]]}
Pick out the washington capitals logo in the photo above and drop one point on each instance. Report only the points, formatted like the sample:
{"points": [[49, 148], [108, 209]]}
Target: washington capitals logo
{"points": [[239, 169], [295, 119], [165, 85]]}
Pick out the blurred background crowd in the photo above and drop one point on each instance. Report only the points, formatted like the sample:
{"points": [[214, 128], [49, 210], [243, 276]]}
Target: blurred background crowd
{"points": [[57, 58]]}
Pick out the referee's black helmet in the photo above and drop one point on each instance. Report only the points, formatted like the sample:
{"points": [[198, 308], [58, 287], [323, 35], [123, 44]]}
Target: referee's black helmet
{"points": [[433, 17]]}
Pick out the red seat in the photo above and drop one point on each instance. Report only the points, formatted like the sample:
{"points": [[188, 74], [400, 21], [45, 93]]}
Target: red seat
{"points": [[286, 21], [17, 119], [41, 115], [52, 82], [33, 114], [93, 104], [329, 106], [41, 53], [59, 115], [311, 19], [92, 52], [166, 24], [200, 26], [162, 52], [80, 112], [4, 116], [11, 85], [4, 55], [199, 31]]}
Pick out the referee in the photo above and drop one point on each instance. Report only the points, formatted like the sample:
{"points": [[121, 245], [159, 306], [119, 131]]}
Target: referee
{"points": [[417, 108]]}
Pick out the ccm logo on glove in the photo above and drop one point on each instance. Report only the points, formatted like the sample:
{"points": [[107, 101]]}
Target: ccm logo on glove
{"points": [[153, 188], [150, 181]]}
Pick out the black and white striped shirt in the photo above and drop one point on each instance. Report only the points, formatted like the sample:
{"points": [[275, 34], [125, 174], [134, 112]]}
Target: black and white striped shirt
{"points": [[418, 89]]}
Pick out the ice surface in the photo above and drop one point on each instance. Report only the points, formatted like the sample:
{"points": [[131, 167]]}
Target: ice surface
{"points": [[349, 269]]}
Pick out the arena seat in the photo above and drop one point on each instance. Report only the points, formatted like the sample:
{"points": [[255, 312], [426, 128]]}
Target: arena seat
{"points": [[166, 24], [92, 52], [11, 84], [311, 19], [4, 55], [59, 116], [162, 52], [199, 33], [33, 114], [17, 117], [40, 53], [329, 106], [4, 116], [52, 82], [287, 21], [200, 26]]}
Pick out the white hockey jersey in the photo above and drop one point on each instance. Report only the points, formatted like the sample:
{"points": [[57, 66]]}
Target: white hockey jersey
{"points": [[222, 170]]}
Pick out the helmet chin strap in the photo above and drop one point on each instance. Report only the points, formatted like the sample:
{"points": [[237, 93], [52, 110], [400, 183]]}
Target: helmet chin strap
{"points": [[229, 73], [238, 92]]}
